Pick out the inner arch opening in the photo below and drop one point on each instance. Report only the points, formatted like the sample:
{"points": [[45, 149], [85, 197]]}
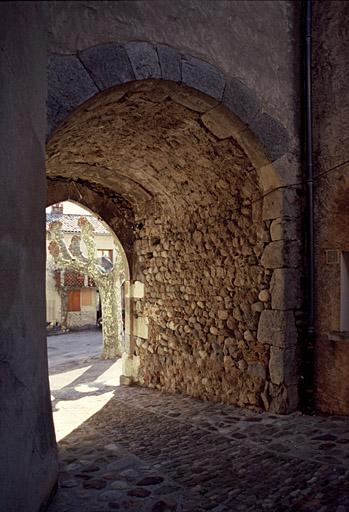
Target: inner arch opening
{"points": [[87, 313]]}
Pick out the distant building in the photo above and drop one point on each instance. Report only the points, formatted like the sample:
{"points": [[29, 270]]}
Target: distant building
{"points": [[71, 293]]}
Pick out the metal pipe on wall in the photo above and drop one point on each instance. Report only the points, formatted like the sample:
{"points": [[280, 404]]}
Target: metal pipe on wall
{"points": [[309, 169]]}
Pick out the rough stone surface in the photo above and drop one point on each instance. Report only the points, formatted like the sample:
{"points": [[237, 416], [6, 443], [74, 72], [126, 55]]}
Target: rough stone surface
{"points": [[202, 274], [282, 229], [241, 100], [282, 254], [202, 76], [108, 65], [144, 60], [202, 457], [70, 85], [223, 124], [281, 203], [272, 134], [170, 63], [285, 289], [112, 64], [282, 365], [277, 328]]}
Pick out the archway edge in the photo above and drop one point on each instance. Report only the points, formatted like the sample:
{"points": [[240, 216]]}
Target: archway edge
{"points": [[73, 79], [98, 202]]}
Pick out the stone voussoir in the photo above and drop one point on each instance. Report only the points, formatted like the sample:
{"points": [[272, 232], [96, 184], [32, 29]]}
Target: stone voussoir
{"points": [[272, 134], [202, 76], [170, 63], [108, 65], [238, 98], [144, 60], [69, 86]]}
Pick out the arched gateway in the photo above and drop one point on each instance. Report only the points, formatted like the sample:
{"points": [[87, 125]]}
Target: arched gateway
{"points": [[192, 170], [183, 165]]}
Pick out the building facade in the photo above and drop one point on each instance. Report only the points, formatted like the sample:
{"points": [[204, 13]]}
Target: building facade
{"points": [[72, 299], [180, 124]]}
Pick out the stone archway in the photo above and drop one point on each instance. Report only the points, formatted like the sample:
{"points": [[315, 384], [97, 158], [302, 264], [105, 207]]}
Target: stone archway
{"points": [[209, 246], [115, 214]]}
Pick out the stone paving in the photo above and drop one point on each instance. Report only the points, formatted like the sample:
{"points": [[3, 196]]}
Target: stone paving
{"points": [[150, 451], [73, 347]]}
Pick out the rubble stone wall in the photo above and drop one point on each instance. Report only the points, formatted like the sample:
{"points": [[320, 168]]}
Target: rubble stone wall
{"points": [[216, 240]]}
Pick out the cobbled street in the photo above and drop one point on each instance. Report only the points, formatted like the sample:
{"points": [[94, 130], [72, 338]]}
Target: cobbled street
{"points": [[149, 451]]}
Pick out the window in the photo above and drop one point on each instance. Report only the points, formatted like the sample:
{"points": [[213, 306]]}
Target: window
{"points": [[74, 300], [107, 253]]}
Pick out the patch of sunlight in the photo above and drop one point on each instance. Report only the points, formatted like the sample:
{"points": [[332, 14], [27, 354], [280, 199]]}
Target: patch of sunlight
{"points": [[70, 414], [111, 377], [85, 388], [60, 380]]}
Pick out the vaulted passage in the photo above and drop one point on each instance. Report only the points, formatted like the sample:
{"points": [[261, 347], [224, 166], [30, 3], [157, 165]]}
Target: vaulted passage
{"points": [[161, 164]]}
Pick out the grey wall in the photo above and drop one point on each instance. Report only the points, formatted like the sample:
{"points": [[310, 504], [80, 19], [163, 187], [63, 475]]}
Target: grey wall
{"points": [[252, 40], [27, 446], [331, 91], [331, 158]]}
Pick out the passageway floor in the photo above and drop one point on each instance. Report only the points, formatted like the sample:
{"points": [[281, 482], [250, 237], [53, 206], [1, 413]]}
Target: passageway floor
{"points": [[149, 451]]}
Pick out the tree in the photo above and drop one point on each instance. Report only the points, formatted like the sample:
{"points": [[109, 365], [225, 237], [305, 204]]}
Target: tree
{"points": [[107, 278]]}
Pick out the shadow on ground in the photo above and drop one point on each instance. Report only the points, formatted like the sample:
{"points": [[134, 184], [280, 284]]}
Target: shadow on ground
{"points": [[150, 451]]}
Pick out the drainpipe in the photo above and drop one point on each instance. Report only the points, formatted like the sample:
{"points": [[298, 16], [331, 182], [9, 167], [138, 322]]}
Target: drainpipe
{"points": [[309, 169]]}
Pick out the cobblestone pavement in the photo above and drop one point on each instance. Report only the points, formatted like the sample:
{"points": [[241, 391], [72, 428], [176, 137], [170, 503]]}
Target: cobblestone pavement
{"points": [[149, 451]]}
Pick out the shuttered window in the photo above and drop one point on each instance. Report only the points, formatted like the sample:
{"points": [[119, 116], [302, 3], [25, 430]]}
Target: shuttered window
{"points": [[74, 300]]}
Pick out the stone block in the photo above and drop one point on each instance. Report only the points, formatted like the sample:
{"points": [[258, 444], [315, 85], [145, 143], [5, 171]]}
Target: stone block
{"points": [[283, 172], [256, 370], [283, 202], [222, 123], [126, 381], [108, 65], [254, 149], [144, 60], [273, 136], [285, 289], [141, 327], [69, 85], [283, 365], [240, 100], [137, 290], [282, 254], [194, 100], [277, 328], [284, 229], [170, 63], [202, 76], [264, 296]]}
